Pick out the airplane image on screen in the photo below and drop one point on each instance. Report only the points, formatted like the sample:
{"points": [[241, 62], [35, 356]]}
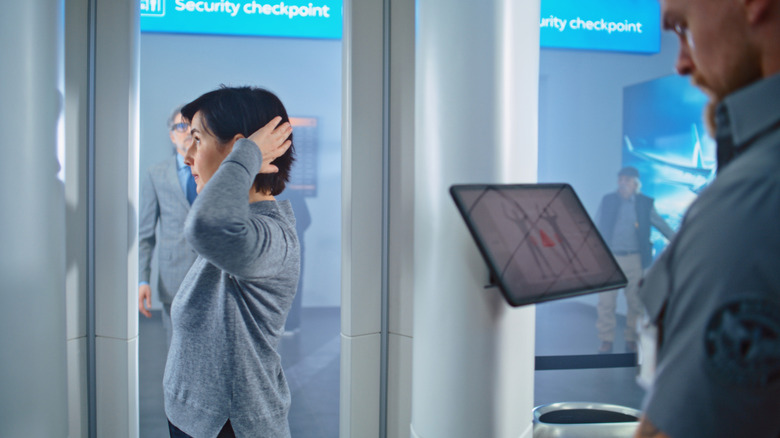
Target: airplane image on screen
{"points": [[695, 176]]}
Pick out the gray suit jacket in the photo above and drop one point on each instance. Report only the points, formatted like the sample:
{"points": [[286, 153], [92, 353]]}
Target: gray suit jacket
{"points": [[163, 202]]}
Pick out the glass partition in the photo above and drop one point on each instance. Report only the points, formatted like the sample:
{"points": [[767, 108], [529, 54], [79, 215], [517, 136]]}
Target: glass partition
{"points": [[306, 75]]}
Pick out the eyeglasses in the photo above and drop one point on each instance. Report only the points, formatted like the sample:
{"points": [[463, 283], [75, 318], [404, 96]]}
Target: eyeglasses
{"points": [[683, 33], [181, 127]]}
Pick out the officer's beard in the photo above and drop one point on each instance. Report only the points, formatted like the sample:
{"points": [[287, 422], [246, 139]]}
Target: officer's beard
{"points": [[743, 72]]}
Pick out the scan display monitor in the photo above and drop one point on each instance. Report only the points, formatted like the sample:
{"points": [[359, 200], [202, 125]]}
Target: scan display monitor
{"points": [[538, 241]]}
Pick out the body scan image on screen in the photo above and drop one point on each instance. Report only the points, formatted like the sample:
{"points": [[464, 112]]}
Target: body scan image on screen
{"points": [[538, 241]]}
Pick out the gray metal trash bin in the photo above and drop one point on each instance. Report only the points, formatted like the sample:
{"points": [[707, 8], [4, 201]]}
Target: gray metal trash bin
{"points": [[584, 420]]}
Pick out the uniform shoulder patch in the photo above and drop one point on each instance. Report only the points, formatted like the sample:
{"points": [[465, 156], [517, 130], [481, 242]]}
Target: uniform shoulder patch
{"points": [[742, 342]]}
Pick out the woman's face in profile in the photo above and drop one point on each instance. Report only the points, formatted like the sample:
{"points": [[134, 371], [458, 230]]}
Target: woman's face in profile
{"points": [[206, 153]]}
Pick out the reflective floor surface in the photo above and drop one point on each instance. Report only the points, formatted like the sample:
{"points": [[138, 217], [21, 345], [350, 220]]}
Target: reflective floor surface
{"points": [[311, 362]]}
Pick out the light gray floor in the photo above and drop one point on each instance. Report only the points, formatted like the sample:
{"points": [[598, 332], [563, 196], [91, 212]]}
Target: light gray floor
{"points": [[311, 362]]}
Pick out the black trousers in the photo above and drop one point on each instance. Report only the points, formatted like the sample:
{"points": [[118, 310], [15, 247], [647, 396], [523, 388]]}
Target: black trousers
{"points": [[226, 432]]}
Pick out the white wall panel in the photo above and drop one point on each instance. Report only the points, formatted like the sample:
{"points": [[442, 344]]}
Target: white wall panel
{"points": [[116, 95], [116, 169], [117, 387], [361, 181], [78, 408], [359, 412], [399, 387], [33, 369], [361, 247], [401, 168], [75, 136]]}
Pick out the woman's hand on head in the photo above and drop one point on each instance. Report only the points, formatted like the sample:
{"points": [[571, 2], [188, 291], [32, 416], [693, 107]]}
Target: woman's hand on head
{"points": [[273, 141]]}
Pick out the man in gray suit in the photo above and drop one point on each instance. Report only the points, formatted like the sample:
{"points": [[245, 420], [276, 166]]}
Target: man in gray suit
{"points": [[166, 194]]}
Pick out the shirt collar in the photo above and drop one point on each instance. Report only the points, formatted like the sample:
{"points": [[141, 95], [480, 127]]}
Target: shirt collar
{"points": [[629, 199], [179, 161], [751, 111]]}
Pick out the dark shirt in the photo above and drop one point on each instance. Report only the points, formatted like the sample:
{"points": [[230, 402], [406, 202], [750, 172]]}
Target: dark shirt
{"points": [[616, 224]]}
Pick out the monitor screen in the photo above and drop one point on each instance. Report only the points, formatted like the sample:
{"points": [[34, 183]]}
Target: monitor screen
{"points": [[538, 241]]}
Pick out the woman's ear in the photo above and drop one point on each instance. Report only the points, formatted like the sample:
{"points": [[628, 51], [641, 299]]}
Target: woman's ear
{"points": [[232, 142]]}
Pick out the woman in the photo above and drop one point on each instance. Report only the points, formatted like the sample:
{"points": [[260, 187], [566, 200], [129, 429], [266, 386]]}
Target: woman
{"points": [[223, 376]]}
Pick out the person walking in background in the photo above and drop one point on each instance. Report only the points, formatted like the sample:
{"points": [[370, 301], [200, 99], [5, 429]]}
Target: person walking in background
{"points": [[167, 191], [624, 218]]}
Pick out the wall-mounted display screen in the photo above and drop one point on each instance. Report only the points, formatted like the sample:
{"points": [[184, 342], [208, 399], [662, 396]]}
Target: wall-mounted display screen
{"points": [[303, 176], [614, 25], [289, 18], [538, 241], [665, 139]]}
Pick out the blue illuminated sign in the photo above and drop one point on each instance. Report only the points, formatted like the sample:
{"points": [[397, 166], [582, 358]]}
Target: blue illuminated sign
{"points": [[616, 25], [289, 18]]}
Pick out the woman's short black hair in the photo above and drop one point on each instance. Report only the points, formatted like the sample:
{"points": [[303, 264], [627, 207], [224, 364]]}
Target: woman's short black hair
{"points": [[228, 111]]}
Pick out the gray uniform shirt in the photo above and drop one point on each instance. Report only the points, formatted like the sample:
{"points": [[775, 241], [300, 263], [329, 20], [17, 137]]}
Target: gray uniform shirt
{"points": [[715, 292], [229, 314]]}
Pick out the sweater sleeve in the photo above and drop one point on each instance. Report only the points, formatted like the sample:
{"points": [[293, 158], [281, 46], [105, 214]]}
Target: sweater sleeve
{"points": [[221, 227]]}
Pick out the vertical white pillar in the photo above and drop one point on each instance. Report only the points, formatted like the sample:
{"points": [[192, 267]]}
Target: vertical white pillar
{"points": [[361, 193], [33, 394], [117, 71], [476, 122], [76, 75]]}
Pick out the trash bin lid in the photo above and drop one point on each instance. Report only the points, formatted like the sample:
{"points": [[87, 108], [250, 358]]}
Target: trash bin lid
{"points": [[584, 416], [584, 420]]}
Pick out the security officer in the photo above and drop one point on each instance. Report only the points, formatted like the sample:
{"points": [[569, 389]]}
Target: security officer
{"points": [[714, 295]]}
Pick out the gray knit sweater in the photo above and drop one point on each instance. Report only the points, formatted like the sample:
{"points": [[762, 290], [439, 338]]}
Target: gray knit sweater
{"points": [[229, 313]]}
